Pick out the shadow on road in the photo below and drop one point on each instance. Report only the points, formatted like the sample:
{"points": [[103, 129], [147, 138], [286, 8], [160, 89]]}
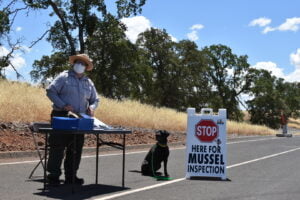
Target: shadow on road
{"points": [[80, 192]]}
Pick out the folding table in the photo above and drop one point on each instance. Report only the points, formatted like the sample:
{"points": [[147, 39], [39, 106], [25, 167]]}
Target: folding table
{"points": [[95, 131]]}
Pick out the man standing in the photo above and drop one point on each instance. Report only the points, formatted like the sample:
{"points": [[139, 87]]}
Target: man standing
{"points": [[283, 122], [70, 91]]}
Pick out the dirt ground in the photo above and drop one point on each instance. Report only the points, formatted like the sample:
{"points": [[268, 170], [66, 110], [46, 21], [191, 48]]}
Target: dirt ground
{"points": [[18, 137]]}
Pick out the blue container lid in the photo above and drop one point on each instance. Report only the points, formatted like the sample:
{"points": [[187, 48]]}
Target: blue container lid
{"points": [[65, 118]]}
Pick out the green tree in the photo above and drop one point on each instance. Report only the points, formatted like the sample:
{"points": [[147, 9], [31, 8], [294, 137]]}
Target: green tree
{"points": [[267, 102], [193, 80], [114, 56], [159, 56], [290, 94], [4, 23], [77, 22], [230, 76], [294, 101], [48, 67]]}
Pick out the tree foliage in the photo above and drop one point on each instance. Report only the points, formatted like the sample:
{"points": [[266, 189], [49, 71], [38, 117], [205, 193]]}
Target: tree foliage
{"points": [[49, 66], [290, 95], [158, 54], [77, 20], [271, 96], [194, 79], [267, 103], [230, 75], [114, 59], [4, 23]]}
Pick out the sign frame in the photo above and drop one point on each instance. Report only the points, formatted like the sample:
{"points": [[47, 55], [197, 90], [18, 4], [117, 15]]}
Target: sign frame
{"points": [[206, 159]]}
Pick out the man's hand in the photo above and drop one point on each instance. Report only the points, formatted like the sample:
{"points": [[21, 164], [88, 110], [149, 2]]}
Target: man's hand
{"points": [[90, 112], [68, 108]]}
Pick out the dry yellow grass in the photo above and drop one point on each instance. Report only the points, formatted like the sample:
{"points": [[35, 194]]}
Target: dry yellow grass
{"points": [[294, 123], [20, 102], [134, 114], [242, 128]]}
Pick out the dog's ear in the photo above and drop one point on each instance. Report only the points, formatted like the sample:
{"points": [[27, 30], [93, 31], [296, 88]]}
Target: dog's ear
{"points": [[166, 133], [158, 133], [162, 133]]}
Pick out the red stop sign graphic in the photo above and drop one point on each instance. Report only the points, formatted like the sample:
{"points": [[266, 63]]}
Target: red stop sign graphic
{"points": [[206, 130]]}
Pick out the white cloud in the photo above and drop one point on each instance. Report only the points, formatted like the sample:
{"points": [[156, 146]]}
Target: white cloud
{"points": [[3, 51], [270, 66], [17, 60], [135, 26], [19, 28], [262, 21], [268, 29], [294, 76], [174, 39], [295, 59], [230, 71], [26, 49], [291, 24], [193, 36], [243, 98], [197, 27], [278, 72]]}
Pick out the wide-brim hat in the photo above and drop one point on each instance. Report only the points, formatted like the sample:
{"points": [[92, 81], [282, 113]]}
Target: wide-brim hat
{"points": [[83, 57]]}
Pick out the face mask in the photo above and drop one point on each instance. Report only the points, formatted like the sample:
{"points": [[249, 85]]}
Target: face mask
{"points": [[79, 68]]}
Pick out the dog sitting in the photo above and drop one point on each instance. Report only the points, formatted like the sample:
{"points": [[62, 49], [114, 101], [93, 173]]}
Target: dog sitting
{"points": [[157, 154]]}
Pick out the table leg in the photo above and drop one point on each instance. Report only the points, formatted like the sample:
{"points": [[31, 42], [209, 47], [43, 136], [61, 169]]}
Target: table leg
{"points": [[97, 158], [73, 162], [123, 164], [45, 162]]}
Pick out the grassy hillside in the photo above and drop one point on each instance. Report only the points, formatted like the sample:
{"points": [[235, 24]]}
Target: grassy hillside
{"points": [[294, 123], [21, 102]]}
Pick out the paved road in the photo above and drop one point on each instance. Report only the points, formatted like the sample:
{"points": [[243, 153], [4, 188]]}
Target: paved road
{"points": [[258, 168]]}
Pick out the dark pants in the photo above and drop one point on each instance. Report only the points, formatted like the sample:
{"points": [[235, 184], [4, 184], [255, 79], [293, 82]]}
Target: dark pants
{"points": [[62, 145]]}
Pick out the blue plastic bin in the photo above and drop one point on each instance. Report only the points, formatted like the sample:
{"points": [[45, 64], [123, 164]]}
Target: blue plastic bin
{"points": [[86, 122], [65, 123]]}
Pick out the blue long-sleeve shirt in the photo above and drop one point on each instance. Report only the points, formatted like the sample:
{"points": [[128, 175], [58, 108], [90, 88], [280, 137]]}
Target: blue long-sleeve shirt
{"points": [[68, 89]]}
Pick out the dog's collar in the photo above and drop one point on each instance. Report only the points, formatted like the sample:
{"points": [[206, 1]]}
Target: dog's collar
{"points": [[162, 145]]}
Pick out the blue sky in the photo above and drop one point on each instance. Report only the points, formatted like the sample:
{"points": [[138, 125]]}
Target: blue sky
{"points": [[265, 30]]}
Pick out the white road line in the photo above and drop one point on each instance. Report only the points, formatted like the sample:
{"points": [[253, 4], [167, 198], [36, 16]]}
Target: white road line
{"points": [[140, 189], [181, 179], [135, 152], [129, 153], [21, 162], [244, 141], [262, 158], [249, 136]]}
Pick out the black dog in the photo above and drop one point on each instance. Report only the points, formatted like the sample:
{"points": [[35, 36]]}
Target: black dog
{"points": [[157, 154]]}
